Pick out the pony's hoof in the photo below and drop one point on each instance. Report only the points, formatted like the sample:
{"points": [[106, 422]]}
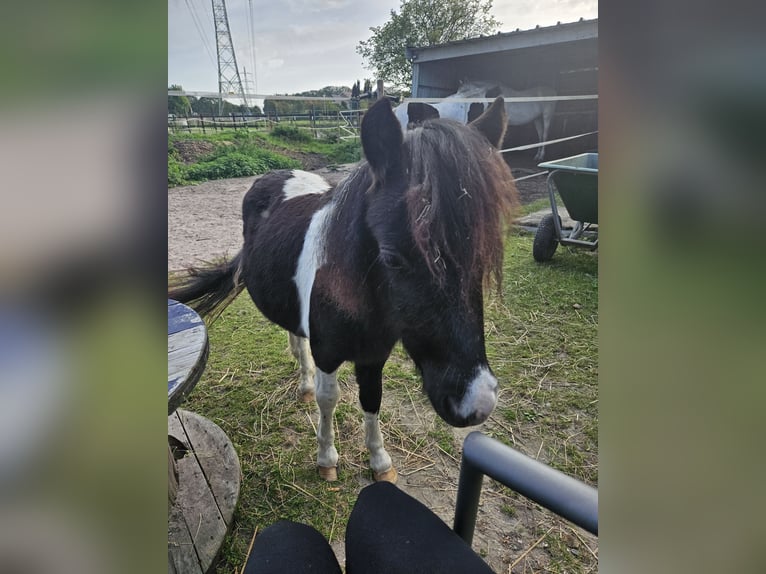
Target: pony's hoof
{"points": [[329, 473], [307, 397], [389, 475]]}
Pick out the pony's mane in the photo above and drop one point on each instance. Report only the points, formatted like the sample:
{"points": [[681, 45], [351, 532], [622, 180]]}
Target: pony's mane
{"points": [[473, 89], [344, 276], [461, 194]]}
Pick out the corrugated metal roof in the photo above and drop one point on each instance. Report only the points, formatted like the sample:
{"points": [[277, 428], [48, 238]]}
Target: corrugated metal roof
{"points": [[541, 35]]}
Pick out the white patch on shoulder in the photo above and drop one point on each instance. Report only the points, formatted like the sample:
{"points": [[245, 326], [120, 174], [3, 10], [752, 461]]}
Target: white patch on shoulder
{"points": [[480, 397], [304, 183], [312, 257]]}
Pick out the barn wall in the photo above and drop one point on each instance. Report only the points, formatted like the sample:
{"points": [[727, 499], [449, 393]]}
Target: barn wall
{"points": [[571, 68]]}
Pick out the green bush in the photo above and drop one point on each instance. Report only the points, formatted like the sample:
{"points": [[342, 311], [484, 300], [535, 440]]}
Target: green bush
{"points": [[244, 137], [238, 164], [347, 151], [291, 133], [176, 172], [176, 168], [272, 160], [243, 153]]}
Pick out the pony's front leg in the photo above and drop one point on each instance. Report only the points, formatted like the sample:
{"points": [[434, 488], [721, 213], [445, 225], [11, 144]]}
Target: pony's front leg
{"points": [[327, 394], [301, 350], [370, 381]]}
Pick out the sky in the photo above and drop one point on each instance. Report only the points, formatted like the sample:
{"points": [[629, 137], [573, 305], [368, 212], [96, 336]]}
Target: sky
{"points": [[302, 45]]}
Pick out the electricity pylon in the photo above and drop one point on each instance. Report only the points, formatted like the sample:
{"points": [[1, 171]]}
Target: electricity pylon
{"points": [[229, 81]]}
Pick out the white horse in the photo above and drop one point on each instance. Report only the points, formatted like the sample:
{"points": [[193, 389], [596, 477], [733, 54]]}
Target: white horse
{"points": [[519, 113]]}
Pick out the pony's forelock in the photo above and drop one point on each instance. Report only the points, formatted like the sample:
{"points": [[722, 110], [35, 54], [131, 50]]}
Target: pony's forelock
{"points": [[461, 194]]}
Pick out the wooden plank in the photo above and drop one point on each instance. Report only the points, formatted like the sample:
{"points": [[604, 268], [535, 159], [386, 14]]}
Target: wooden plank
{"points": [[192, 337], [183, 382], [172, 479], [197, 505], [181, 317], [182, 557], [218, 460], [184, 358], [200, 511], [180, 365], [176, 429]]}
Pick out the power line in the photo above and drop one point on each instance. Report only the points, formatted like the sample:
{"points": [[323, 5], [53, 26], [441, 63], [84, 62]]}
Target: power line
{"points": [[251, 28], [200, 30], [246, 82]]}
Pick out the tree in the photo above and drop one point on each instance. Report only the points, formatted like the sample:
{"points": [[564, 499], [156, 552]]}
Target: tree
{"points": [[288, 107], [205, 106], [422, 23], [209, 107], [242, 109], [178, 105]]}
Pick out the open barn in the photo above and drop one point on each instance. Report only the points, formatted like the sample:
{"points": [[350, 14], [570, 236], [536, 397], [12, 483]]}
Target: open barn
{"points": [[563, 57]]}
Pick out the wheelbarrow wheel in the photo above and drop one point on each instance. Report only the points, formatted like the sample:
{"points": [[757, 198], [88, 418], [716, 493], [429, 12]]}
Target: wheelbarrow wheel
{"points": [[545, 243]]}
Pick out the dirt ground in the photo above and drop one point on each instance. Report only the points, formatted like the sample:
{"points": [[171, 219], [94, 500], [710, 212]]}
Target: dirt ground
{"points": [[204, 220], [204, 224]]}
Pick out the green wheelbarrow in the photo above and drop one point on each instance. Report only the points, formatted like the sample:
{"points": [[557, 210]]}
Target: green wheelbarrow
{"points": [[576, 180]]}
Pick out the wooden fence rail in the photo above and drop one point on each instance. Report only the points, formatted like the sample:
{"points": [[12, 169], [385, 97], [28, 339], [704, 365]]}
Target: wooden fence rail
{"points": [[345, 123]]}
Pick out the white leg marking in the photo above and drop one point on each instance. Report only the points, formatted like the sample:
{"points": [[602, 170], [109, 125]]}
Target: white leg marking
{"points": [[480, 396], [327, 394], [304, 183], [293, 341], [380, 461], [301, 350], [311, 258]]}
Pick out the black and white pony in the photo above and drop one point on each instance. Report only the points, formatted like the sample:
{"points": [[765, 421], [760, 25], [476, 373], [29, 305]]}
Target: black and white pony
{"points": [[519, 113], [400, 250]]}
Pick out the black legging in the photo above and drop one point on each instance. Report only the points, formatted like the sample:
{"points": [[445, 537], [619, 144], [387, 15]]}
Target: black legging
{"points": [[388, 532]]}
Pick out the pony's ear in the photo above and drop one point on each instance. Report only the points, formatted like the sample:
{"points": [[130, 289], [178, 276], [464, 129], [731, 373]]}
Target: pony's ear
{"points": [[493, 122], [382, 138]]}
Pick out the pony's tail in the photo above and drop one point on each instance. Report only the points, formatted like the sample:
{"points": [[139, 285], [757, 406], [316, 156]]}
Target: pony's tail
{"points": [[209, 290]]}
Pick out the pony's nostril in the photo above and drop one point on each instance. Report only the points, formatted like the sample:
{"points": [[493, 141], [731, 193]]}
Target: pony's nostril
{"points": [[476, 404], [449, 410], [480, 397]]}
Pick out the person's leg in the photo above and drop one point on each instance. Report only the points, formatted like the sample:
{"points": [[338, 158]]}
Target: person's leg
{"points": [[291, 548], [391, 532]]}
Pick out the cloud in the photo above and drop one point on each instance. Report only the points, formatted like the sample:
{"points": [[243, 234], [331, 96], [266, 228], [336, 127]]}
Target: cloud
{"points": [[314, 6], [526, 14], [306, 44]]}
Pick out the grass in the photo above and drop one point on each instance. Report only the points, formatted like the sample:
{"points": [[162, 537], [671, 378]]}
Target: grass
{"points": [[240, 153], [537, 205], [542, 344], [239, 156], [334, 150]]}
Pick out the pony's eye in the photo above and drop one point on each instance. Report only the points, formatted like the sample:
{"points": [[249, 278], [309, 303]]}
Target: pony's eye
{"points": [[392, 259]]}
